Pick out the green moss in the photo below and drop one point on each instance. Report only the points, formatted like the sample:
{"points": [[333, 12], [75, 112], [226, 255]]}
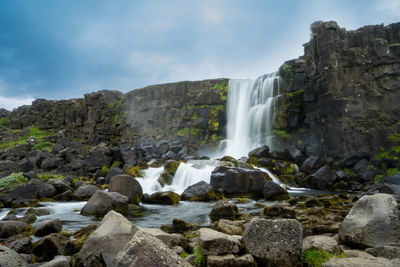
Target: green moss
{"points": [[184, 255], [195, 131], [105, 168], [5, 122], [377, 178], [392, 171], [199, 259], [315, 257], [395, 137], [115, 118], [35, 132], [295, 93], [289, 72], [183, 132], [222, 87], [43, 145], [302, 130], [282, 134], [116, 164], [48, 176], [383, 116], [13, 179], [195, 116]]}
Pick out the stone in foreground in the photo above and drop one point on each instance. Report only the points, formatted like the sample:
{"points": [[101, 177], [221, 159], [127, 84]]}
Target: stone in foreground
{"points": [[373, 221], [321, 242], [357, 262], [223, 209], [231, 261], [102, 202], [275, 242], [217, 243], [10, 258], [102, 246], [146, 250]]}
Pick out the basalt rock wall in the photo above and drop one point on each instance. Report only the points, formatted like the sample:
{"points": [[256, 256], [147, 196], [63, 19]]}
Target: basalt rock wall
{"points": [[343, 95]]}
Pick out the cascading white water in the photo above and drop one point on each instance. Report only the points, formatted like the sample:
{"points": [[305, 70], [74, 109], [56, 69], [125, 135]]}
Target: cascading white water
{"points": [[250, 108]]}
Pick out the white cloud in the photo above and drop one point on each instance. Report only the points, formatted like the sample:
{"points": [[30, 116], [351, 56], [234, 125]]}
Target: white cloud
{"points": [[390, 6], [10, 103]]}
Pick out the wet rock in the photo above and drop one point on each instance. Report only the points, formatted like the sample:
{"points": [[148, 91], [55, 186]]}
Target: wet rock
{"points": [[127, 186], [171, 166], [230, 227], [388, 252], [217, 243], [261, 152], [223, 209], [165, 178], [201, 191], [236, 181], [102, 202], [171, 240], [279, 211], [372, 221], [321, 242], [273, 191], [231, 261], [85, 191], [38, 211], [352, 160], [65, 196], [10, 228], [47, 227], [49, 246], [21, 245], [275, 242], [394, 179], [181, 226], [145, 250], [311, 164], [164, 198], [111, 236], [162, 147], [10, 258], [323, 178], [59, 261]]}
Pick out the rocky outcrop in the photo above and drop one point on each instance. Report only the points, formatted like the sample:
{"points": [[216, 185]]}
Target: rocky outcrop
{"points": [[342, 93]]}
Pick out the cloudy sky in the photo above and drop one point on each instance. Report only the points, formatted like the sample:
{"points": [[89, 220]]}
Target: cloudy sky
{"points": [[59, 49]]}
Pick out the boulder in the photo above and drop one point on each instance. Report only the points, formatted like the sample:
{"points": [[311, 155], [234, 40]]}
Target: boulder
{"points": [[165, 178], [321, 242], [260, 152], [279, 211], [323, 178], [171, 166], [10, 258], [230, 227], [10, 228], [146, 250], [223, 209], [47, 227], [59, 261], [388, 252], [85, 191], [201, 191], [231, 261], [311, 164], [102, 202], [50, 163], [113, 172], [164, 198], [275, 242], [352, 160], [394, 179], [127, 186], [372, 221], [161, 147], [49, 246], [357, 262], [217, 243], [171, 240], [60, 185], [111, 236], [273, 191], [22, 245], [238, 181]]}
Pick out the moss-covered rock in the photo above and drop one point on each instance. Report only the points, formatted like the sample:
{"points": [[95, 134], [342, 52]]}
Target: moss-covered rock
{"points": [[163, 198]]}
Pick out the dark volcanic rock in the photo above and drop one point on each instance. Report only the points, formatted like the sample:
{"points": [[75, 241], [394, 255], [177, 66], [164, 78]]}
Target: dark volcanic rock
{"points": [[47, 227], [223, 210], [273, 191], [85, 191], [102, 202], [127, 186], [164, 198], [238, 181], [200, 191]]}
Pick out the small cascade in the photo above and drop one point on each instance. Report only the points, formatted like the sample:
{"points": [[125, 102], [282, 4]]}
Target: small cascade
{"points": [[149, 181], [250, 109]]}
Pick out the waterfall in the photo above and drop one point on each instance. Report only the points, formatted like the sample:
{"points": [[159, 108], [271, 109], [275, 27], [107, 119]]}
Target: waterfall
{"points": [[250, 108]]}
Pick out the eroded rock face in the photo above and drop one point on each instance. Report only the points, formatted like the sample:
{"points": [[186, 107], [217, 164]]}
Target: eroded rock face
{"points": [[275, 242], [103, 245], [10, 258], [372, 221], [146, 250]]}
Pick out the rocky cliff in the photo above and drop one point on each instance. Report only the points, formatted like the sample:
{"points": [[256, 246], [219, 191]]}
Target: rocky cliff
{"points": [[192, 112], [343, 95]]}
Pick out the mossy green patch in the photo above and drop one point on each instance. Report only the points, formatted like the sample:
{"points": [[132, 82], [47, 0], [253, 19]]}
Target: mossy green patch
{"points": [[377, 178], [48, 176], [34, 132], [199, 260], [13, 179], [315, 257], [392, 171], [282, 134], [5, 122]]}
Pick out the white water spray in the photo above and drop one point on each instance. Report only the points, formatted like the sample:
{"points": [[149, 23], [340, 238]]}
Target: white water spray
{"points": [[250, 110]]}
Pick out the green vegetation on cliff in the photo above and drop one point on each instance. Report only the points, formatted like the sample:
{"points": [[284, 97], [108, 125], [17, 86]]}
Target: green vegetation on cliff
{"points": [[34, 132]]}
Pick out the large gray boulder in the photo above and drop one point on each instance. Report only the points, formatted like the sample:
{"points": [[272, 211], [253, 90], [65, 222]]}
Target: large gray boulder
{"points": [[111, 236], [146, 250], [102, 202], [273, 191], [321, 242], [47, 227], [217, 243], [10, 258], [373, 221], [127, 186], [389, 252], [10, 228], [171, 240], [49, 246], [275, 242], [59, 261], [85, 191]]}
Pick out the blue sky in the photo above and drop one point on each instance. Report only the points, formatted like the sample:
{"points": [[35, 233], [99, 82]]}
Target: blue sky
{"points": [[59, 49]]}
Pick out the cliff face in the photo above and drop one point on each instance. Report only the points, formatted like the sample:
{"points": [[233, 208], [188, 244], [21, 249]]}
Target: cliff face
{"points": [[343, 95], [193, 112]]}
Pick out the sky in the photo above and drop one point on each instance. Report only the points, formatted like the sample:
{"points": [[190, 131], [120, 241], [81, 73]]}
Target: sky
{"points": [[61, 49]]}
